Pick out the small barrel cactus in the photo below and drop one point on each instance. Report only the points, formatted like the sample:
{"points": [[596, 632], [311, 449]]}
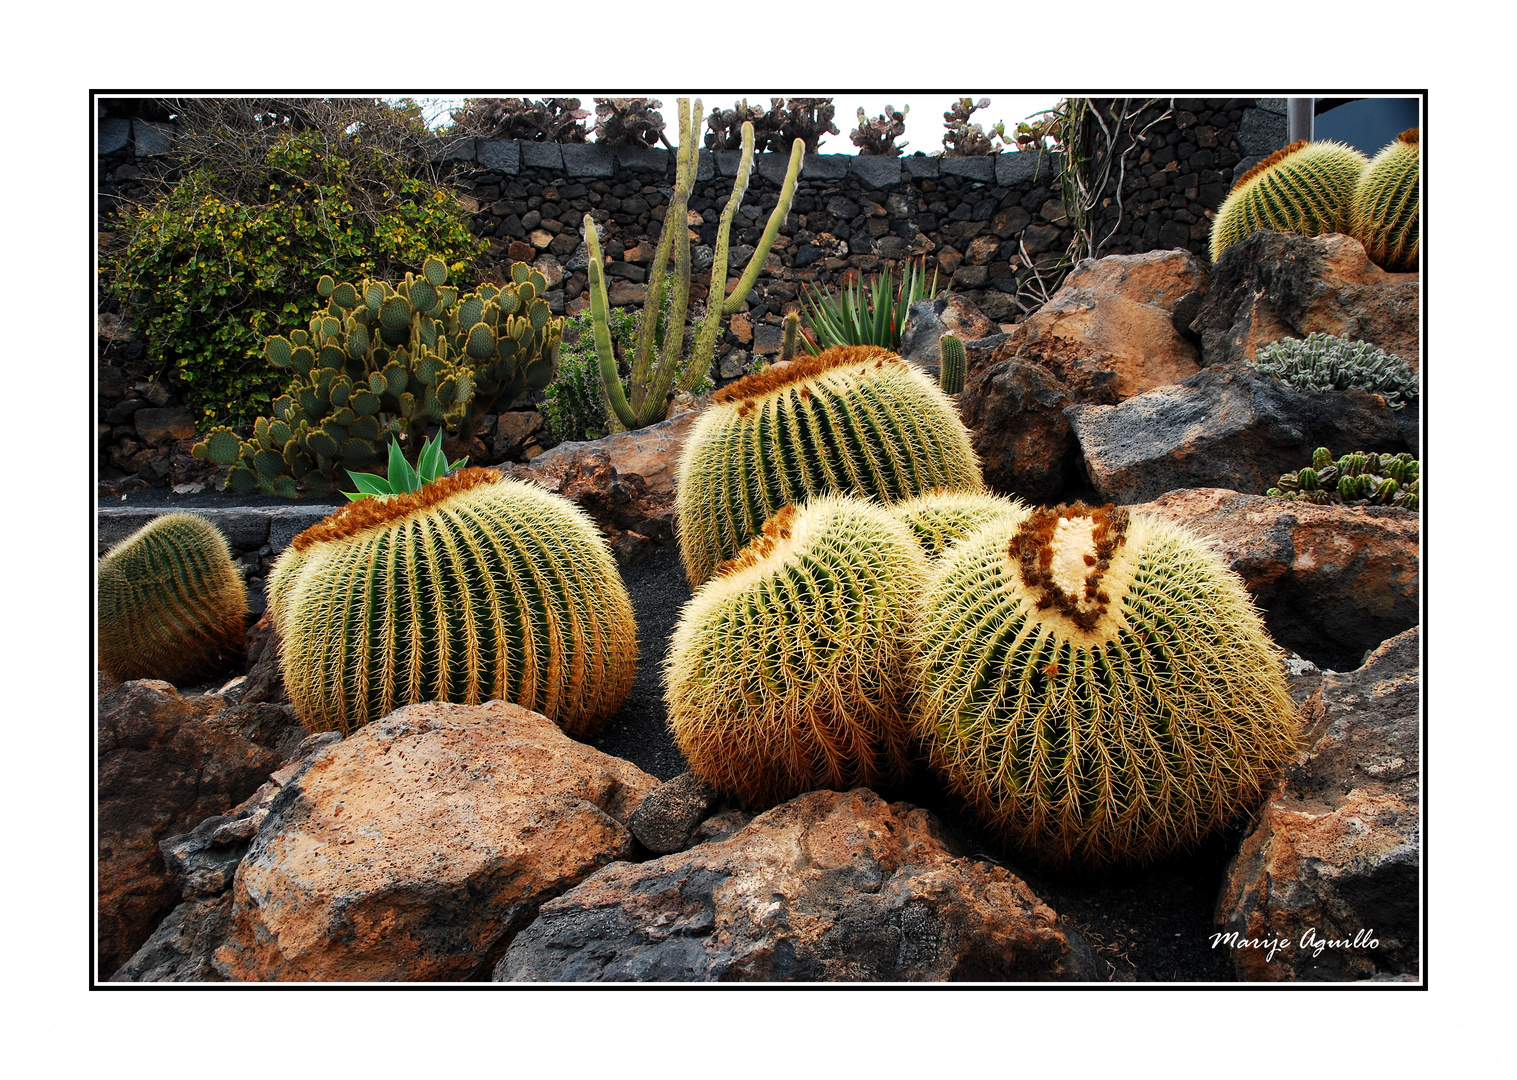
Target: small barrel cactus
{"points": [[172, 605], [939, 518], [469, 589], [1306, 189], [790, 669], [853, 419], [1356, 479], [1387, 205], [1323, 363], [1098, 687]]}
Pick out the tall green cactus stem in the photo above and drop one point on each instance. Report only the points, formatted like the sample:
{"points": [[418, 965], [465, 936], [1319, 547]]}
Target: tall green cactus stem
{"points": [[940, 518], [791, 337], [855, 419], [172, 605], [1306, 189], [790, 670], [469, 589], [653, 380], [1388, 204], [1098, 687], [953, 364]]}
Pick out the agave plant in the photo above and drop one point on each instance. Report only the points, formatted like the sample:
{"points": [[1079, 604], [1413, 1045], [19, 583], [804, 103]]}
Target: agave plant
{"points": [[866, 315], [431, 464]]}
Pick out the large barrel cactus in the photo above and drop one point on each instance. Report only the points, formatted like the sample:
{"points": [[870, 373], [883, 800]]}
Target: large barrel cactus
{"points": [[172, 605], [939, 518], [790, 670], [854, 419], [1388, 204], [1097, 686], [469, 589], [1306, 189]]}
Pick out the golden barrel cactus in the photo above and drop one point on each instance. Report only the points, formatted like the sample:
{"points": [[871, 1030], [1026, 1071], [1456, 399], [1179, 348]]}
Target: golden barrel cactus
{"points": [[939, 518], [1098, 687], [1306, 189], [1387, 208], [469, 589]]}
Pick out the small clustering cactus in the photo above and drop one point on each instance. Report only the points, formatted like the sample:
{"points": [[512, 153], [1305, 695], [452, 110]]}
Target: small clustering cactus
{"points": [[855, 419], [1306, 189], [1098, 687], [470, 589], [380, 363], [1388, 203], [1323, 362], [172, 605], [789, 670], [1357, 479]]}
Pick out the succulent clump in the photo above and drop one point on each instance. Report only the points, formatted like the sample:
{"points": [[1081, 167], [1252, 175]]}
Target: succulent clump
{"points": [[1322, 363]]}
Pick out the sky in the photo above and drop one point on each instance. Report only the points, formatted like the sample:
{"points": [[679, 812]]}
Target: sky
{"points": [[924, 124]]}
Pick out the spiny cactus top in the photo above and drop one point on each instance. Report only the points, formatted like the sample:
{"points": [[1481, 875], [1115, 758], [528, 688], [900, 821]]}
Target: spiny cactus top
{"points": [[172, 605], [941, 517], [789, 669], [469, 589], [1388, 203], [1306, 189], [1323, 362], [1098, 686], [854, 418]]}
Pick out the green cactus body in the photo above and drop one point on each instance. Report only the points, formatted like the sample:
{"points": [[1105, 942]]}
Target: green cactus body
{"points": [[954, 364], [1355, 479], [940, 518], [854, 419], [1306, 189], [790, 669], [1098, 687], [1322, 363], [171, 604], [469, 589], [1387, 205]]}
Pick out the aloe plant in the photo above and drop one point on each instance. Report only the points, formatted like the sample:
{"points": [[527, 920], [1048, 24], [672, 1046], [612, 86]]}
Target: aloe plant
{"points": [[872, 315], [431, 464]]}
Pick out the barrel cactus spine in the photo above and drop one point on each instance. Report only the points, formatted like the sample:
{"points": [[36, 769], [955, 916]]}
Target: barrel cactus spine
{"points": [[791, 669], [469, 589], [1306, 189], [940, 517], [1098, 686], [1388, 203], [853, 419], [171, 603]]}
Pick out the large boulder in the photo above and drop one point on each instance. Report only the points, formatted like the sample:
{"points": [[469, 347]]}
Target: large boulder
{"points": [[1272, 285], [1016, 421], [416, 848], [1109, 332], [165, 764], [830, 886], [1226, 426], [1327, 886], [1333, 580]]}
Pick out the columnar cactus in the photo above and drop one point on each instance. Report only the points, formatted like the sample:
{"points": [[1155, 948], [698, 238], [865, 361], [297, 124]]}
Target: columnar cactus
{"points": [[1323, 363], [1306, 189], [469, 589], [382, 362], [1097, 686], [855, 419], [1356, 479], [1387, 204], [172, 605], [939, 518], [953, 364], [790, 669]]}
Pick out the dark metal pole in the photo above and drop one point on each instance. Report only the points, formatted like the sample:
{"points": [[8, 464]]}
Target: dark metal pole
{"points": [[1299, 118]]}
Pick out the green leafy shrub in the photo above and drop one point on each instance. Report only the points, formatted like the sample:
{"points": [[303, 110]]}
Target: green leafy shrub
{"points": [[1323, 362], [872, 316], [231, 252]]}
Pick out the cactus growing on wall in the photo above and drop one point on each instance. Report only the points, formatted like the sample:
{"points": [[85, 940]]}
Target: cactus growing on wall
{"points": [[469, 589], [790, 669], [172, 605], [856, 418], [1098, 687], [1387, 205], [380, 363], [661, 369], [1306, 189]]}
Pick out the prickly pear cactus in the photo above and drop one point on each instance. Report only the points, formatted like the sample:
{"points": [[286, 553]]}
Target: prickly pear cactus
{"points": [[1323, 363], [1357, 479], [1098, 686], [172, 605], [1306, 189], [790, 669], [385, 362], [1388, 203]]}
